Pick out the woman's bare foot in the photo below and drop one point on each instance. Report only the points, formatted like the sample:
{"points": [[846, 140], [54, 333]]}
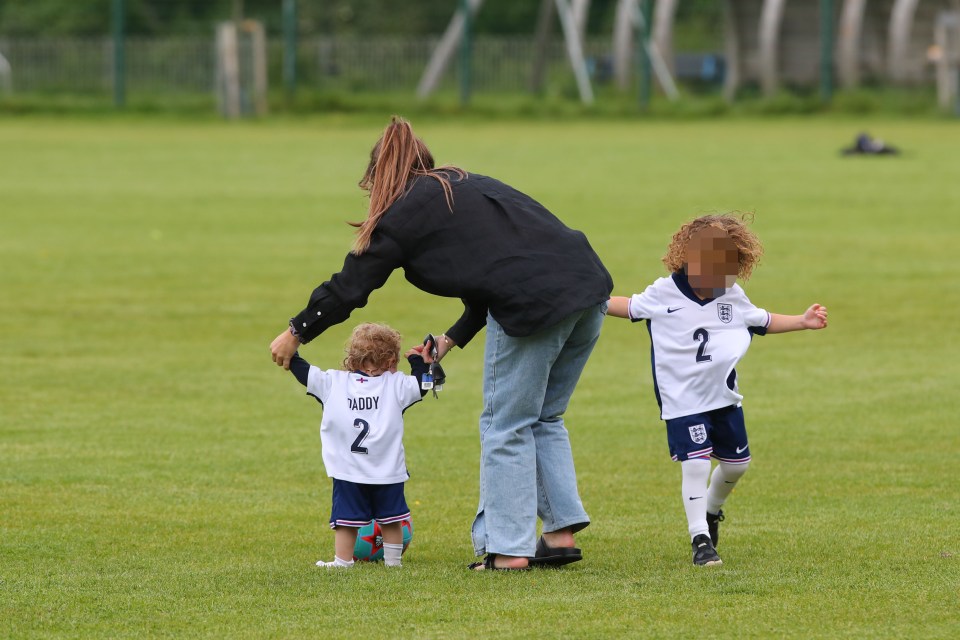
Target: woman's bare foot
{"points": [[497, 562], [559, 538], [510, 562]]}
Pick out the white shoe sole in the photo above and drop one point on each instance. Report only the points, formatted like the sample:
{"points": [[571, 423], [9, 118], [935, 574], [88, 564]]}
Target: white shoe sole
{"points": [[712, 563]]}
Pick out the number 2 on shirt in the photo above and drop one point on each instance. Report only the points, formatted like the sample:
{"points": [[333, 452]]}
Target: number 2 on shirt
{"points": [[701, 336], [364, 427]]}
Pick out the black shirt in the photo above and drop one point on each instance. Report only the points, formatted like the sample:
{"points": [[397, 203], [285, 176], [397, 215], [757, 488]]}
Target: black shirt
{"points": [[498, 251]]}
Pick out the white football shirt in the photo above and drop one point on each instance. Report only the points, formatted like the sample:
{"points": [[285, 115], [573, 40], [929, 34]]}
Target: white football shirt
{"points": [[696, 344], [361, 433]]}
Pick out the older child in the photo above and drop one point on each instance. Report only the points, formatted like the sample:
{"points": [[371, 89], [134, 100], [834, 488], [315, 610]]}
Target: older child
{"points": [[701, 324], [361, 435]]}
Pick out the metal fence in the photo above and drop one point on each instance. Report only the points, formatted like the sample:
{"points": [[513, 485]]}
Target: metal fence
{"points": [[188, 65], [86, 65]]}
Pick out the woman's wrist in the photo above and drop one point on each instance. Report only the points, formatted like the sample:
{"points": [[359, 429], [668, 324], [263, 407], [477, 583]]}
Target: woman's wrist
{"points": [[445, 344], [294, 332]]}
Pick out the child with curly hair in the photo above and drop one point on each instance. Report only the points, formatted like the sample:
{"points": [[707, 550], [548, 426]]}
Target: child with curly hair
{"points": [[701, 324], [361, 435]]}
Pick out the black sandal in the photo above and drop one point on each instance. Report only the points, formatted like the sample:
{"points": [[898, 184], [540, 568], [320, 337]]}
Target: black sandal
{"points": [[488, 564], [547, 556]]}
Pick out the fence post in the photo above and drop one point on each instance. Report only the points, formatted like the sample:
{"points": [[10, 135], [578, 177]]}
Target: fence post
{"points": [[228, 70], [258, 43], [6, 73], [290, 47], [826, 50], [119, 56], [646, 68], [946, 37], [466, 53]]}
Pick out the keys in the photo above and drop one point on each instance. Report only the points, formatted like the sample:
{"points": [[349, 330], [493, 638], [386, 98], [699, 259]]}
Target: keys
{"points": [[426, 382], [435, 377]]}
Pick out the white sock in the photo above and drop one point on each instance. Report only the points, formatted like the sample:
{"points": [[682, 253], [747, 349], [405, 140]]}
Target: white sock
{"points": [[722, 482], [336, 564], [696, 473], [391, 554]]}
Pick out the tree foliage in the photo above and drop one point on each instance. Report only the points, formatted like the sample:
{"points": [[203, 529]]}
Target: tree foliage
{"points": [[338, 17]]}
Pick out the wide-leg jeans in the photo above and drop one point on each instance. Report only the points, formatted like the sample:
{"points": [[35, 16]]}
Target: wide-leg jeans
{"points": [[526, 464]]}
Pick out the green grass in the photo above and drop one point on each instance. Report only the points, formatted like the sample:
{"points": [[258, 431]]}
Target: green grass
{"points": [[559, 101], [159, 476]]}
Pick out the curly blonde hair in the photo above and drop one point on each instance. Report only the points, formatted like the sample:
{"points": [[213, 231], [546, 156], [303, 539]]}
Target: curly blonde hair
{"points": [[375, 345], [749, 249]]}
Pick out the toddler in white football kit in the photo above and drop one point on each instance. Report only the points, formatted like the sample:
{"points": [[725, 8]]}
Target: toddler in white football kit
{"points": [[361, 435], [701, 324]]}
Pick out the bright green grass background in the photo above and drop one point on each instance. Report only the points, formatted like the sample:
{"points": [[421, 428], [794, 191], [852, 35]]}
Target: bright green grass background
{"points": [[159, 476]]}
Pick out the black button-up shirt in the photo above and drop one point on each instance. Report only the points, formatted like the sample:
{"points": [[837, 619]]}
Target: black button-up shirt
{"points": [[499, 251]]}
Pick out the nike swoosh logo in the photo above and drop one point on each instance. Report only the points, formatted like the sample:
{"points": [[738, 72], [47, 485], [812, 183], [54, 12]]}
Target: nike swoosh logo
{"points": [[692, 498], [741, 450], [669, 310]]}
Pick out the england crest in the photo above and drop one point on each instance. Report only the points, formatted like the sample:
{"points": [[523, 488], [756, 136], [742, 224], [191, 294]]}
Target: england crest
{"points": [[698, 433], [725, 311]]}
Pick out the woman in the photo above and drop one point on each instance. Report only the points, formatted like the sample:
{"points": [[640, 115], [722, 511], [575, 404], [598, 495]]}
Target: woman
{"points": [[537, 286]]}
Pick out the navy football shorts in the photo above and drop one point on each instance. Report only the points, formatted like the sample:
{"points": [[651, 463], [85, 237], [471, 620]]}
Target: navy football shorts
{"points": [[354, 504], [720, 433]]}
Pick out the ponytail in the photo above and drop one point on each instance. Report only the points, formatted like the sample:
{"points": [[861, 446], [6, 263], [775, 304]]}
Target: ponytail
{"points": [[396, 158]]}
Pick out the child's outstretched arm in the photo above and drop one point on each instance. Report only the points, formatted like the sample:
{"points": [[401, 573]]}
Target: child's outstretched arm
{"points": [[813, 318], [618, 307]]}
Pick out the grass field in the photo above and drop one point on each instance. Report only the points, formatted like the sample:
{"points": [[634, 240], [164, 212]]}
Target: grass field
{"points": [[160, 477]]}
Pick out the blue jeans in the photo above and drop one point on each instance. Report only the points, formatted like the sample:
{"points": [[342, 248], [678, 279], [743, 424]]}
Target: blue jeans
{"points": [[526, 465]]}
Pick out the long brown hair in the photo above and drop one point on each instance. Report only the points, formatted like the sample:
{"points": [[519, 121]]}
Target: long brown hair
{"points": [[396, 158]]}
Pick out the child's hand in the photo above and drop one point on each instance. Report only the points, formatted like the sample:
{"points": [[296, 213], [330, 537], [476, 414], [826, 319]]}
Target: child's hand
{"points": [[419, 351], [815, 317]]}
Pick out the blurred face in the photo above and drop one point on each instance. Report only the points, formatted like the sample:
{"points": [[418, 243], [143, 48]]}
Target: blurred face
{"points": [[712, 262]]}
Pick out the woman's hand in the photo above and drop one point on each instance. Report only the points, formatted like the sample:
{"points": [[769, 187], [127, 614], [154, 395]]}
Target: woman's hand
{"points": [[283, 347]]}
